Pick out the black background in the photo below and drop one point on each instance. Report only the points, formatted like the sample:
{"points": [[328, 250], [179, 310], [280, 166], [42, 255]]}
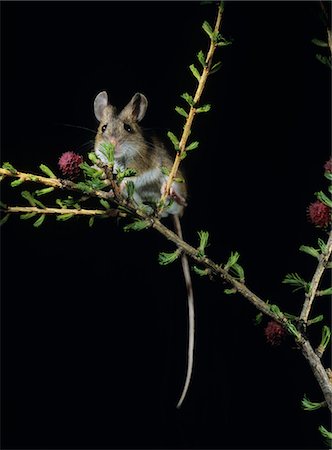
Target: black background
{"points": [[93, 330]]}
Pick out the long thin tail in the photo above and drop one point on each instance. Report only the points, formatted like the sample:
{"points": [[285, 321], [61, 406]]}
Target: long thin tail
{"points": [[191, 313]]}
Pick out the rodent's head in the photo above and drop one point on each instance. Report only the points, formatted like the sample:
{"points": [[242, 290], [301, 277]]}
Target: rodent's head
{"points": [[121, 130]]}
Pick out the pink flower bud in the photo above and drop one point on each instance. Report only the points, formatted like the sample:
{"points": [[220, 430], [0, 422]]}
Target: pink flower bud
{"points": [[274, 333], [328, 166], [69, 163], [319, 214]]}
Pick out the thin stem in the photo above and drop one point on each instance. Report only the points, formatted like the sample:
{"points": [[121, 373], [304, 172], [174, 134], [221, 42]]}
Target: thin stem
{"points": [[310, 297], [192, 111], [55, 182], [75, 212], [318, 370]]}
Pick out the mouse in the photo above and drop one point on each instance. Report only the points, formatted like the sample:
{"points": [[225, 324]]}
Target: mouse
{"points": [[149, 159]]}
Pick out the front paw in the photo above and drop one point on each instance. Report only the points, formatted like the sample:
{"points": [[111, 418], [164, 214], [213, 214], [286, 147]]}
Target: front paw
{"points": [[174, 194]]}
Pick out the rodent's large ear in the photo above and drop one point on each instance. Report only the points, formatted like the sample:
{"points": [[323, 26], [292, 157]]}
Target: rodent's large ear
{"points": [[136, 108], [100, 103]]}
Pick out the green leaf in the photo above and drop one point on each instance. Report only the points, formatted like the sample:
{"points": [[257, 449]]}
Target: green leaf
{"points": [[8, 166], [310, 251], [324, 60], [181, 111], [188, 98], [165, 171], [27, 215], [322, 245], [222, 42], [215, 68], [27, 196], [291, 317], [47, 171], [84, 187], [165, 258], [316, 319], [93, 157], [107, 150], [319, 43], [326, 336], [192, 146], [328, 175], [203, 242], [44, 191], [90, 171], [327, 291], [208, 29], [201, 58], [64, 217], [121, 175], [324, 198], [204, 108], [129, 172], [307, 405], [39, 221], [195, 72], [137, 225], [295, 280], [91, 221], [130, 186], [4, 219], [69, 202], [183, 155], [327, 435], [105, 203], [200, 272], [173, 139], [276, 310], [291, 328], [232, 260], [258, 319], [238, 270], [230, 291], [39, 203], [17, 182]]}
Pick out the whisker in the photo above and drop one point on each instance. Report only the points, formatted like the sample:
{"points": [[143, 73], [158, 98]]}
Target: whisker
{"points": [[76, 126], [89, 144]]}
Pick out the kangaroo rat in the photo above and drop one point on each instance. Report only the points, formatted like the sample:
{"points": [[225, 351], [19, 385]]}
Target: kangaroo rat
{"points": [[131, 150]]}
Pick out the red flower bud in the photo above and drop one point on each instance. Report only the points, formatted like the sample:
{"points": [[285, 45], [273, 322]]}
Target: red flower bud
{"points": [[319, 214], [328, 166], [69, 163], [274, 333]]}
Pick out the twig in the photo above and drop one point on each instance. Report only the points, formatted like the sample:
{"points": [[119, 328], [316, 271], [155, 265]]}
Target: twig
{"points": [[322, 263], [55, 182], [328, 29], [75, 212], [193, 108], [319, 372]]}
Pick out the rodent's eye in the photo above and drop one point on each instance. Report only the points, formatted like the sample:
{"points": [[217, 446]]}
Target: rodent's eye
{"points": [[103, 128], [127, 128]]}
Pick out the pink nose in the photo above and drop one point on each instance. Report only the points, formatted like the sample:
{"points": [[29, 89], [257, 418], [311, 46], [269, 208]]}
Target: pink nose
{"points": [[113, 141]]}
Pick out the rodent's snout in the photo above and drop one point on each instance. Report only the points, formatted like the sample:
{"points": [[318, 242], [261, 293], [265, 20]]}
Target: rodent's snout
{"points": [[113, 141]]}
